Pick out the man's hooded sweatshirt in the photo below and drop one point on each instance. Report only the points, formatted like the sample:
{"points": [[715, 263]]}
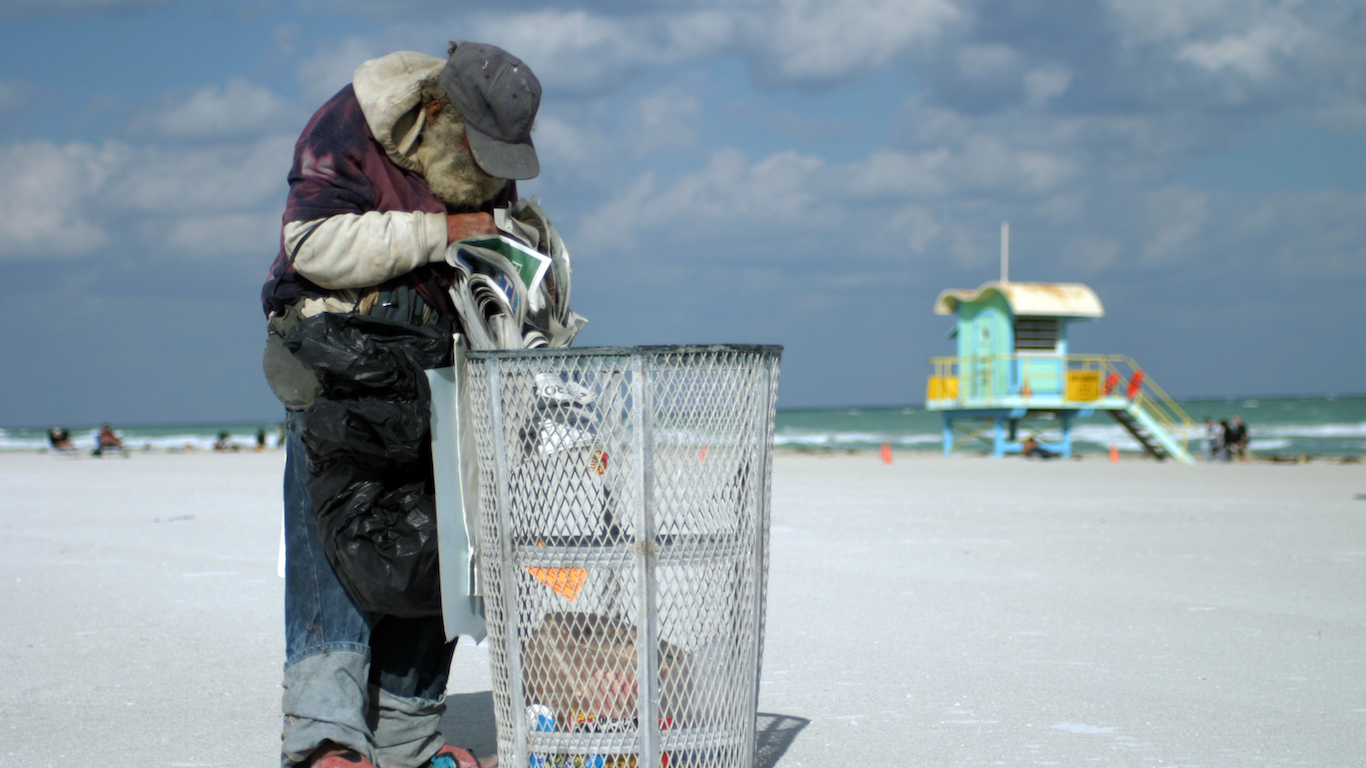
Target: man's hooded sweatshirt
{"points": [[354, 218]]}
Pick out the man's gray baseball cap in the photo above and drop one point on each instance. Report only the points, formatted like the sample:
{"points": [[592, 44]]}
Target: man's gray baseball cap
{"points": [[497, 96]]}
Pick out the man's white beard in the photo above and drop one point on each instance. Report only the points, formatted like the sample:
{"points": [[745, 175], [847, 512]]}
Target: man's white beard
{"points": [[445, 162]]}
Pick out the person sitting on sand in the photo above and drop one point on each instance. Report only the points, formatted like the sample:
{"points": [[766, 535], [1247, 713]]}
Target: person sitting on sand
{"points": [[60, 439], [106, 440], [1032, 450], [224, 442]]}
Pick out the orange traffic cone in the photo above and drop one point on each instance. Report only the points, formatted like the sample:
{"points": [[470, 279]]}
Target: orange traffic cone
{"points": [[886, 453], [1114, 454]]}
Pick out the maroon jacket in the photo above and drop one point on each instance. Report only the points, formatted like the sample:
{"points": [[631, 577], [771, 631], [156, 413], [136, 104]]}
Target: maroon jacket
{"points": [[340, 169]]}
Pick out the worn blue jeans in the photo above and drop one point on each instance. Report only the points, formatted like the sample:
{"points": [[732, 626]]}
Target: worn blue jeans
{"points": [[370, 682]]}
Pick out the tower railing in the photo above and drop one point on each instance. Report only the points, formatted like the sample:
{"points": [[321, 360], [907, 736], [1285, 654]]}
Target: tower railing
{"points": [[1043, 380]]}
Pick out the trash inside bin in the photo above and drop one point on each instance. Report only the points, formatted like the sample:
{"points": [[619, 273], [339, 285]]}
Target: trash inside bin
{"points": [[582, 666]]}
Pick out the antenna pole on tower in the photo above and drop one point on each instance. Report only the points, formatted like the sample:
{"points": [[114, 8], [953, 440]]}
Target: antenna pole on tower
{"points": [[1005, 251]]}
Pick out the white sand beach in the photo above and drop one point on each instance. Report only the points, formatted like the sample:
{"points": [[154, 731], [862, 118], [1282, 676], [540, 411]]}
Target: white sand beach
{"points": [[932, 612]]}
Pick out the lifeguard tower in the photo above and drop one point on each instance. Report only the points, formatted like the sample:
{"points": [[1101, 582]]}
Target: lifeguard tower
{"points": [[1014, 376]]}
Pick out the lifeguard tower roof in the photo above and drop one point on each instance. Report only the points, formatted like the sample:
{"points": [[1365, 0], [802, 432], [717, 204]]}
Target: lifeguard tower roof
{"points": [[1028, 299]]}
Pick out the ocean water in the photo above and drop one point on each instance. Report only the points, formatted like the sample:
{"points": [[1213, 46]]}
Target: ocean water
{"points": [[148, 437], [1325, 425]]}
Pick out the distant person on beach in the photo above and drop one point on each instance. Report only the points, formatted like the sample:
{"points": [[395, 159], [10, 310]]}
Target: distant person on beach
{"points": [[1032, 450], [261, 438], [224, 442], [60, 439], [106, 441], [417, 153], [1236, 439], [1214, 439]]}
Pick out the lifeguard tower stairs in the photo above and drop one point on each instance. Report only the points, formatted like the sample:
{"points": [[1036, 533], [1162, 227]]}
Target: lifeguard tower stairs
{"points": [[1013, 377]]}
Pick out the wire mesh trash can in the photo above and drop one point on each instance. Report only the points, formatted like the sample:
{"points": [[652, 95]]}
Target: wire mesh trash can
{"points": [[623, 529]]}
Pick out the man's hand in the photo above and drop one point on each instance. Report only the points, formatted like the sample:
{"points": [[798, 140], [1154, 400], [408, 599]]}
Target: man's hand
{"points": [[462, 225]]}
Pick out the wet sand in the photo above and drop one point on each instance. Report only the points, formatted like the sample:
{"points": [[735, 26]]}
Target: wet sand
{"points": [[931, 612]]}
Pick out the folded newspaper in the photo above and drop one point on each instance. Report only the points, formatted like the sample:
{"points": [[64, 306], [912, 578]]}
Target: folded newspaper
{"points": [[512, 289]]}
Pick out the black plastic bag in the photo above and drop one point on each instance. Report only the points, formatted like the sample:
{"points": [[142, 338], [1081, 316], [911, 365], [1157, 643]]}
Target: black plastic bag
{"points": [[368, 436]]}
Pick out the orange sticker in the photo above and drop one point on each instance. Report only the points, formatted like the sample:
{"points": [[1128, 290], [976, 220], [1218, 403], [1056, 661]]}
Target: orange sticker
{"points": [[565, 581]]}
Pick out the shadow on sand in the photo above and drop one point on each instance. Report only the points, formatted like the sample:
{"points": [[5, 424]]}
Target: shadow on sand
{"points": [[774, 734], [469, 723]]}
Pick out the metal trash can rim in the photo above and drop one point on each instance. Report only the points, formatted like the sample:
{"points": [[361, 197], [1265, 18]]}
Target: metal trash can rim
{"points": [[662, 349]]}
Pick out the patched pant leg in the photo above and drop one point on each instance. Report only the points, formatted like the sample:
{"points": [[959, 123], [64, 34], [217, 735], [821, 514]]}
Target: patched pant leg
{"points": [[406, 731], [325, 699], [327, 638]]}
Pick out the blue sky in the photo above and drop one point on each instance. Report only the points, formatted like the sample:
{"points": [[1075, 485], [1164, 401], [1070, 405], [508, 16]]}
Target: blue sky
{"points": [[809, 173]]}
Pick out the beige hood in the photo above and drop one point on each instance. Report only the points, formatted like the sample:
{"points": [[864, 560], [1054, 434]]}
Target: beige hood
{"points": [[389, 89]]}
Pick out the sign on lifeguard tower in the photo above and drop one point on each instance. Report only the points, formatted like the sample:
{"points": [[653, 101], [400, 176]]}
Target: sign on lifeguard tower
{"points": [[1014, 377]]}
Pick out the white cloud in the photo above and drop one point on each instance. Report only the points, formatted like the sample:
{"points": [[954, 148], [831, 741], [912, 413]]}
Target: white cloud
{"points": [[13, 94], [1061, 209], [1045, 84], [983, 162], [775, 189], [237, 109], [1028, 152], [667, 118], [1090, 253], [220, 234], [1320, 234], [74, 199], [925, 198], [890, 172], [918, 225], [1348, 113], [561, 144], [45, 199], [792, 41], [220, 177], [578, 50], [816, 41], [978, 62], [779, 192], [1247, 49], [1039, 171], [20, 8], [972, 246], [1256, 53], [1144, 21], [1174, 216], [331, 68], [100, 5]]}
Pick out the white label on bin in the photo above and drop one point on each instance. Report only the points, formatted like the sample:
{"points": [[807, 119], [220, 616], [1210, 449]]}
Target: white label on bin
{"points": [[551, 387]]}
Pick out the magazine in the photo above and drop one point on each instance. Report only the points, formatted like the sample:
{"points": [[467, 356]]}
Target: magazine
{"points": [[512, 289]]}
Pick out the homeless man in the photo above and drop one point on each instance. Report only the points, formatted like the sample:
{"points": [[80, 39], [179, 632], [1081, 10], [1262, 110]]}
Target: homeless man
{"points": [[415, 154]]}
